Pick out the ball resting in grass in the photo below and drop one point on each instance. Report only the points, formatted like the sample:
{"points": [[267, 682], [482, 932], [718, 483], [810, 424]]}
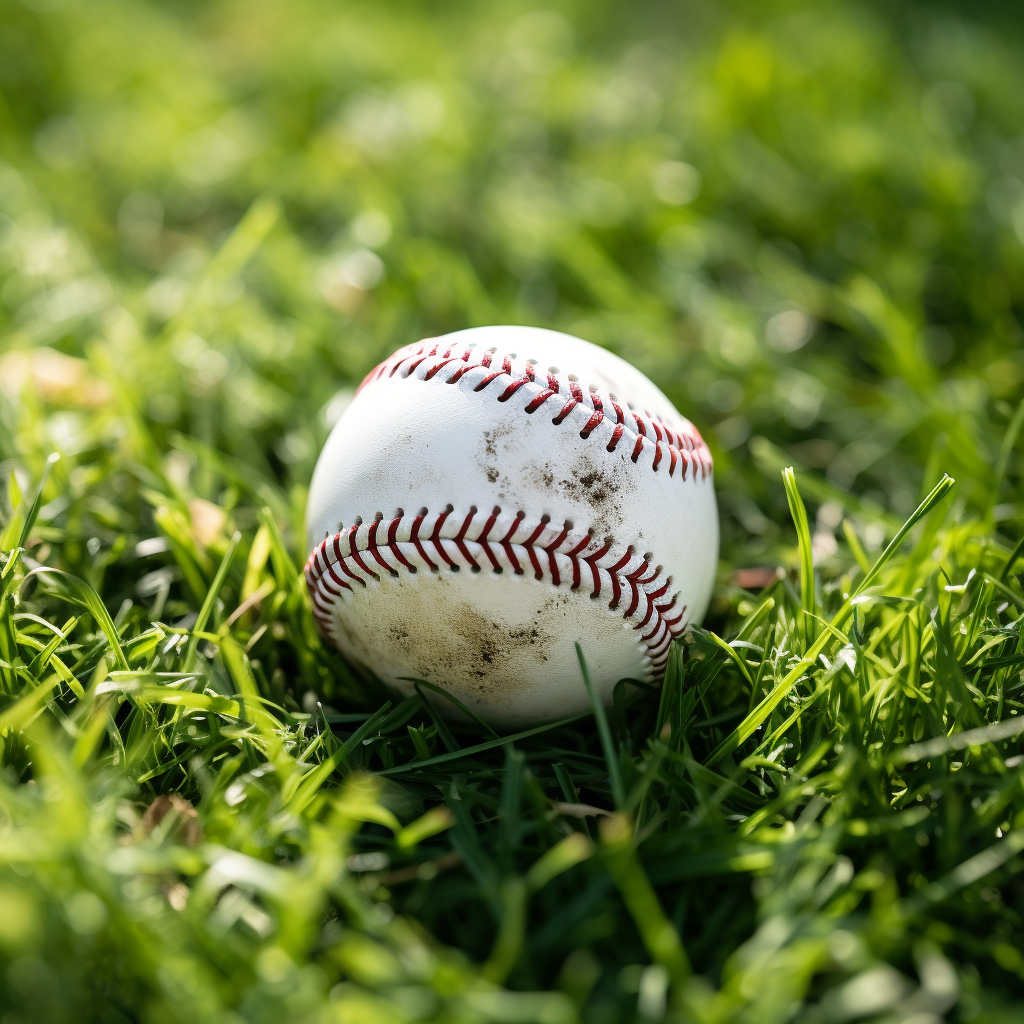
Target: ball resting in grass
{"points": [[496, 495]]}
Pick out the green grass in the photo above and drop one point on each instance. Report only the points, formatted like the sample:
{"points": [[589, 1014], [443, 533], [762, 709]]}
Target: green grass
{"points": [[804, 220]]}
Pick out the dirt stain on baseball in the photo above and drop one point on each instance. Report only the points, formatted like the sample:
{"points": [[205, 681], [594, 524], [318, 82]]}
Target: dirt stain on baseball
{"points": [[477, 654], [492, 658], [492, 455], [597, 487]]}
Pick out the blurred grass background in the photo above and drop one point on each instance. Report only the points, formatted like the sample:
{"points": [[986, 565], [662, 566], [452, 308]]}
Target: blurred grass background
{"points": [[805, 221]]}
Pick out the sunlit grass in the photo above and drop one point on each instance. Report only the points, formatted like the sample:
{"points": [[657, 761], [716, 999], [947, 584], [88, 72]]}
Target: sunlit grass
{"points": [[806, 226]]}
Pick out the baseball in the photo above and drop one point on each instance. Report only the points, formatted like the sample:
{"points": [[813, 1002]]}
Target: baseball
{"points": [[495, 495]]}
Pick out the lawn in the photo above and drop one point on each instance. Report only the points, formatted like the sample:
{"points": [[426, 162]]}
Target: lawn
{"points": [[803, 220]]}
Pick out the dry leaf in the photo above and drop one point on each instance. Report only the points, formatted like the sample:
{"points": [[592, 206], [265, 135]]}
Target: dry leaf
{"points": [[55, 377], [186, 829], [757, 578], [207, 521]]}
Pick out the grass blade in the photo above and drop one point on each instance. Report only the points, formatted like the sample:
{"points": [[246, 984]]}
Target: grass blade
{"points": [[971, 870], [208, 603], [1003, 459], [314, 780], [481, 747], [753, 721], [659, 934], [928, 749], [610, 753], [81, 593], [937, 493], [803, 537], [443, 732], [471, 715]]}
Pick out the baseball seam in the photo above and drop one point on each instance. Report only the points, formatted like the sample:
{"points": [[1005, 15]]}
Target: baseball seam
{"points": [[683, 446], [357, 557]]}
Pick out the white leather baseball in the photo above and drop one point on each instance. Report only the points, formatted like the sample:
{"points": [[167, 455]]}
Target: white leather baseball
{"points": [[492, 497]]}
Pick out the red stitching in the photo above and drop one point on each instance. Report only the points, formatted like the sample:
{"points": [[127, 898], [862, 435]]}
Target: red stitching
{"points": [[460, 540], [487, 380], [469, 537], [414, 536], [537, 402], [616, 585], [396, 550], [556, 577], [591, 560], [684, 447], [595, 419], [375, 551], [483, 539], [616, 435], [506, 542], [344, 565], [434, 369], [574, 555], [456, 376], [437, 541], [355, 554], [511, 389], [566, 409]]}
